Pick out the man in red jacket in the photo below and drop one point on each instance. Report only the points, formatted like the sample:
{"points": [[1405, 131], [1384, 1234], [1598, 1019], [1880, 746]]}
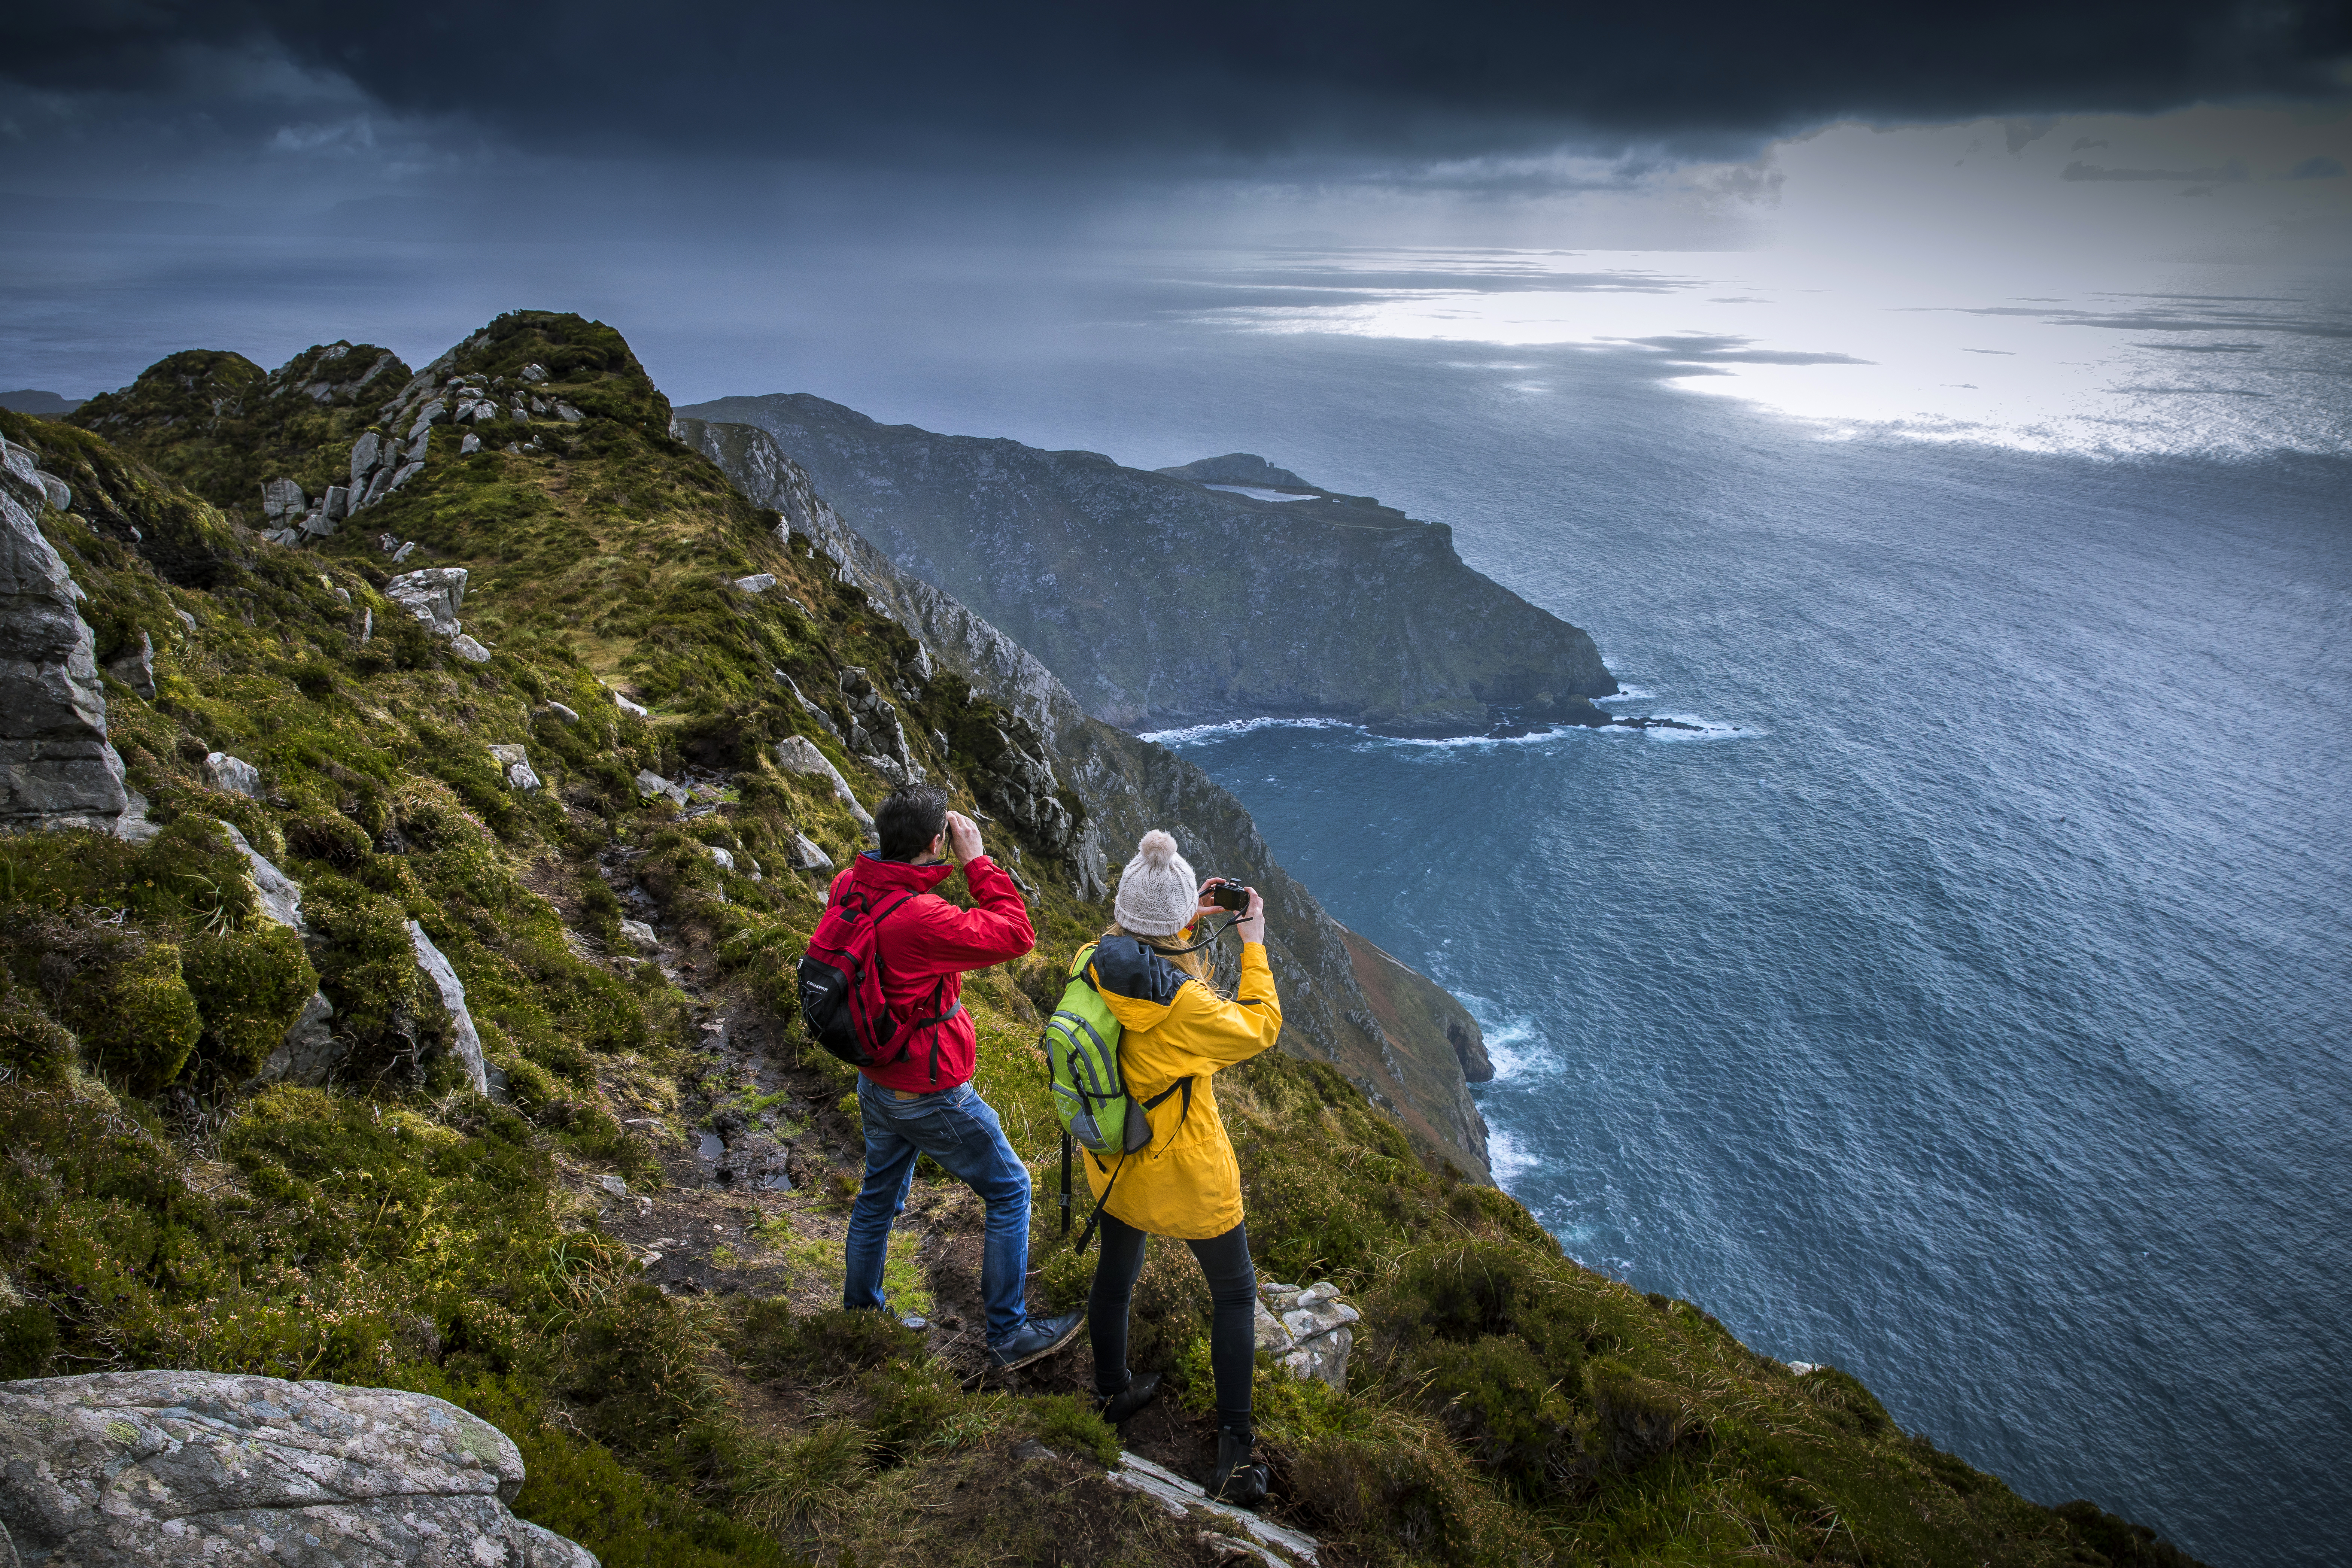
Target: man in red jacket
{"points": [[922, 1102]]}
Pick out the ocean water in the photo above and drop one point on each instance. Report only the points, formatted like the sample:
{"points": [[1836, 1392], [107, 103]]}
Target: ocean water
{"points": [[1969, 1002]]}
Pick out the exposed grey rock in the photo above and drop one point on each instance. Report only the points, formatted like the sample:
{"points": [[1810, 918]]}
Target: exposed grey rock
{"points": [[280, 896], [804, 855], [466, 648], [377, 487], [56, 767], [874, 732], [367, 625], [160, 1469], [650, 784], [426, 417], [309, 1053], [186, 620], [1307, 1331], [233, 774], [418, 450], [614, 1185], [57, 492], [407, 471], [814, 712], [757, 583], [404, 552], [283, 499], [533, 372], [318, 525], [469, 446], [568, 415], [725, 858], [434, 595], [1276, 1544], [626, 706], [135, 668], [365, 452], [642, 934], [798, 754], [560, 711], [338, 503], [466, 1044], [516, 765]]}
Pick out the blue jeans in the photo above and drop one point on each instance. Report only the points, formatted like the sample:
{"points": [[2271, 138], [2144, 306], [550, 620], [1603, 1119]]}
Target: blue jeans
{"points": [[958, 1128]]}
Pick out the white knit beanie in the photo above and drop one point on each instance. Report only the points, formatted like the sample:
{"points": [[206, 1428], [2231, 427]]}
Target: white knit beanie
{"points": [[1157, 894]]}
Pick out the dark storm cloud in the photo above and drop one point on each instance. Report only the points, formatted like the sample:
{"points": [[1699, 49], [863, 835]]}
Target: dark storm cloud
{"points": [[1213, 82]]}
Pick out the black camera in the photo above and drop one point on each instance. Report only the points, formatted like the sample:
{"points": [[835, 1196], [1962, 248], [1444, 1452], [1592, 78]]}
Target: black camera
{"points": [[1227, 894]]}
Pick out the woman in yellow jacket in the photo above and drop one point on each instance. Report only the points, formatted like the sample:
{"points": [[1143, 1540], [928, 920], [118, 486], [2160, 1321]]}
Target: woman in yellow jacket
{"points": [[1176, 1032]]}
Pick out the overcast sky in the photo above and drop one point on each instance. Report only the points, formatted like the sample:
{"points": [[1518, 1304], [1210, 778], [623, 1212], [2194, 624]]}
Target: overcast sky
{"points": [[2142, 128]]}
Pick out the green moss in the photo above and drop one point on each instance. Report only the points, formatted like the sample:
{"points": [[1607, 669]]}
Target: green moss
{"points": [[249, 985], [132, 1009]]}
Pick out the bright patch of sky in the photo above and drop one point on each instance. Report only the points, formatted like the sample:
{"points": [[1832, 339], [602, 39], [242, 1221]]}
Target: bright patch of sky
{"points": [[2139, 358]]}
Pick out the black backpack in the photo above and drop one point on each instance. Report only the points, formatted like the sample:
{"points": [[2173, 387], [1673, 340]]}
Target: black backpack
{"points": [[842, 1000]]}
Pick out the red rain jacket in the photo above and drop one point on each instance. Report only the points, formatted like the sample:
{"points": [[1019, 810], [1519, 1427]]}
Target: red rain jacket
{"points": [[926, 948]]}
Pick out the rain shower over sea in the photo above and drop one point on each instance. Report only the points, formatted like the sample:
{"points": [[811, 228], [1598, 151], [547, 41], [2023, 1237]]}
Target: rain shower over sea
{"points": [[1965, 1003]]}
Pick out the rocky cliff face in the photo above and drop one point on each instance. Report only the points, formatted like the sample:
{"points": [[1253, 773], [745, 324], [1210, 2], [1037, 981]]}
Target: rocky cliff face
{"points": [[1158, 600], [57, 766], [1398, 1050]]}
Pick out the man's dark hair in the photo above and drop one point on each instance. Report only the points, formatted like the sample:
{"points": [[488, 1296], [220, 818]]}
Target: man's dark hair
{"points": [[910, 820]]}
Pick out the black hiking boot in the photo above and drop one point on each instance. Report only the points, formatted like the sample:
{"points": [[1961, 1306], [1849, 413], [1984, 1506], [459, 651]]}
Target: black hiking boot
{"points": [[1117, 1408], [1240, 1479]]}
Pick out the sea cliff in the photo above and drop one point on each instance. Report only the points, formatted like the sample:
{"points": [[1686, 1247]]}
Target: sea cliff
{"points": [[1160, 601]]}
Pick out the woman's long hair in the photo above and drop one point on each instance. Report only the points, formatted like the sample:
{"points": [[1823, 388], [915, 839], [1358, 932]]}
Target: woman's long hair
{"points": [[1200, 963]]}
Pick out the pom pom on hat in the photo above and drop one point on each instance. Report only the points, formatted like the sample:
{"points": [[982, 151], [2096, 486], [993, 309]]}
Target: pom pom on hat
{"points": [[1158, 893]]}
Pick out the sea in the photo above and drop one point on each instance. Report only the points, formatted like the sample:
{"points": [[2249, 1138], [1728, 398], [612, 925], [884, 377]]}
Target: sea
{"points": [[1966, 1001]]}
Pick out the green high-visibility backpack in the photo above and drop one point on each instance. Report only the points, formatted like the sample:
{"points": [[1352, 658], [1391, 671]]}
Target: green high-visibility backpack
{"points": [[1081, 1046]]}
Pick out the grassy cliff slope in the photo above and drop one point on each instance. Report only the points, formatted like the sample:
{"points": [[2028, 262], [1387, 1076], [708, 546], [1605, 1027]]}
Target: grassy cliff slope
{"points": [[648, 1323]]}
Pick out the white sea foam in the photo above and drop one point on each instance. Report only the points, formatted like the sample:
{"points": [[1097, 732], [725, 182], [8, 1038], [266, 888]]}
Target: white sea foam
{"points": [[1507, 1157], [1190, 733], [1517, 1048], [1258, 492]]}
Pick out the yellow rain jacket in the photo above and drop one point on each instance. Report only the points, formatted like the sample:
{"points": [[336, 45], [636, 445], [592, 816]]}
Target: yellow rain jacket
{"points": [[1185, 1183]]}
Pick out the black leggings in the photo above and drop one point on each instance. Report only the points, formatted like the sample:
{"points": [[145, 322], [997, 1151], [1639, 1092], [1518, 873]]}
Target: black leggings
{"points": [[1233, 1332]]}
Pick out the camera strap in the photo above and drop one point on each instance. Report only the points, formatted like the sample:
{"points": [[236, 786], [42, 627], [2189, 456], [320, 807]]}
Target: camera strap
{"points": [[1209, 940]]}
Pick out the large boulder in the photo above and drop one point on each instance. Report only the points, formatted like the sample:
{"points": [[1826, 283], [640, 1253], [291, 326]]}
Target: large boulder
{"points": [[142, 1469], [798, 754], [56, 767], [433, 595]]}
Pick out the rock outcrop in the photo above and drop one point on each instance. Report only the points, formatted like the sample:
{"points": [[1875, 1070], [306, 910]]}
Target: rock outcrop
{"points": [[1333, 605], [434, 595], [146, 1470], [1124, 786], [798, 754], [57, 769], [1307, 1331], [465, 1041]]}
